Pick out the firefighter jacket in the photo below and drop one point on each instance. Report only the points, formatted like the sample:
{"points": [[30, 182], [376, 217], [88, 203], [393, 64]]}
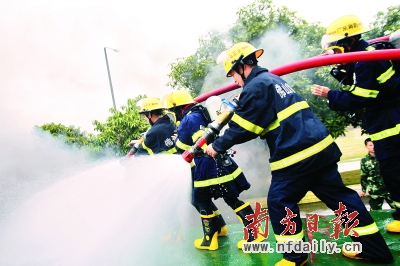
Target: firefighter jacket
{"points": [[371, 179], [158, 138], [375, 86], [211, 178], [269, 108]]}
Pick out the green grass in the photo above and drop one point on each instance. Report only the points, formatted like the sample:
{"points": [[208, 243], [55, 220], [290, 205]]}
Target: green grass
{"points": [[351, 177], [352, 147]]}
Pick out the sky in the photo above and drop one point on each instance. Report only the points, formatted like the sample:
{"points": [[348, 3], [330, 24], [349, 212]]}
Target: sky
{"points": [[52, 51]]}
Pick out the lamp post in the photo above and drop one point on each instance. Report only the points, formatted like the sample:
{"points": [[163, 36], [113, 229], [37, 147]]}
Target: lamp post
{"points": [[109, 76]]}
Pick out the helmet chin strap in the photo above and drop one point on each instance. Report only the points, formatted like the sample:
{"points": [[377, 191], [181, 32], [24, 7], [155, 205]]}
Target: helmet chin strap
{"points": [[149, 117], [241, 65]]}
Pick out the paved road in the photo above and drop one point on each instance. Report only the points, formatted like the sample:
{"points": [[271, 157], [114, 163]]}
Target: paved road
{"points": [[349, 165]]}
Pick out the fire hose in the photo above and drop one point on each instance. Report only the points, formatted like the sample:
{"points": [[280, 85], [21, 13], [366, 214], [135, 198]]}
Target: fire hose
{"points": [[125, 160], [212, 131], [135, 148], [323, 60]]}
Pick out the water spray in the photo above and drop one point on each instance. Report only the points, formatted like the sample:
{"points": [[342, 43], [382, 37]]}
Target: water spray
{"points": [[325, 60]]}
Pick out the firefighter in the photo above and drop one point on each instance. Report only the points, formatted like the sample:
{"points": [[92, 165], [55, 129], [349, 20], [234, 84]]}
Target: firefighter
{"points": [[211, 178], [221, 224], [303, 155], [375, 86], [158, 139]]}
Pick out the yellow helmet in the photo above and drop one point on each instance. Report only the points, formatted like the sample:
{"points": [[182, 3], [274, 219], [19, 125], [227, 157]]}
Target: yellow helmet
{"points": [[341, 28], [238, 54], [149, 104], [177, 98]]}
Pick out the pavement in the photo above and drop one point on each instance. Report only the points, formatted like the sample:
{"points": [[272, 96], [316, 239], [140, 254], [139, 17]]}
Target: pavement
{"points": [[349, 165]]}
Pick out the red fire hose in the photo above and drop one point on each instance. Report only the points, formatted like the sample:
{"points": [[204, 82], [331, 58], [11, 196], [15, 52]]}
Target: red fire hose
{"points": [[318, 61]]}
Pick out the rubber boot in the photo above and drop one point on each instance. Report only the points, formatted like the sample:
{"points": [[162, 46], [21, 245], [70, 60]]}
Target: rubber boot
{"points": [[222, 228], [393, 227], [210, 230], [241, 212], [285, 262], [374, 249]]}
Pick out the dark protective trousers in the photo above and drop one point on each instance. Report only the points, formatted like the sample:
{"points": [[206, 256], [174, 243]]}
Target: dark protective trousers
{"points": [[390, 171], [328, 186]]}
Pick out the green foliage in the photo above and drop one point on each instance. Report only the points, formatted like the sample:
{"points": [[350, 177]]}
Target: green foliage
{"points": [[193, 73], [189, 73], [385, 23], [121, 127], [261, 16], [114, 135], [70, 135], [253, 22]]}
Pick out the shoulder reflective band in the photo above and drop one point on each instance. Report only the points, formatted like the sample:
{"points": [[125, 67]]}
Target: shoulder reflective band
{"points": [[249, 126], [282, 115]]}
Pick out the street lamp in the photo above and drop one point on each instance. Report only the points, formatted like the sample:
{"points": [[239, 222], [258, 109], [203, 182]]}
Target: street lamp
{"points": [[109, 76]]}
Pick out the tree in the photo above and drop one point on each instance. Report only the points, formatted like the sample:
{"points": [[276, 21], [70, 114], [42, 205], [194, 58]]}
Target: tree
{"points": [[385, 23], [254, 22], [189, 73], [195, 74], [121, 127], [69, 135], [114, 135]]}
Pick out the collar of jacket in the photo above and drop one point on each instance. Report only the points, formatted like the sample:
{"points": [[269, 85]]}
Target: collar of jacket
{"points": [[188, 108], [161, 120], [362, 44], [255, 72]]}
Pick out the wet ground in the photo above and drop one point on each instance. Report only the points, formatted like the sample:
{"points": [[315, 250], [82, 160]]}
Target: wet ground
{"points": [[228, 254]]}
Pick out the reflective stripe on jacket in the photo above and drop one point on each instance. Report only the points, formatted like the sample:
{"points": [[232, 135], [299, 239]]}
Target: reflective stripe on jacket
{"points": [[376, 87], [158, 138], [206, 172], [270, 108]]}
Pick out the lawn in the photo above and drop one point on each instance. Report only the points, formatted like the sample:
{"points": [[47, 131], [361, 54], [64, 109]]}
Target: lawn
{"points": [[351, 177], [352, 147]]}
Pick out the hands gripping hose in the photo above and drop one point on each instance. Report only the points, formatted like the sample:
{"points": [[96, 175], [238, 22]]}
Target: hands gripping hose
{"points": [[135, 148], [212, 130]]}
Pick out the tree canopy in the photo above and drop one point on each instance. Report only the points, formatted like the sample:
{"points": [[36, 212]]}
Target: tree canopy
{"points": [[114, 134], [258, 20], [279, 31]]}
